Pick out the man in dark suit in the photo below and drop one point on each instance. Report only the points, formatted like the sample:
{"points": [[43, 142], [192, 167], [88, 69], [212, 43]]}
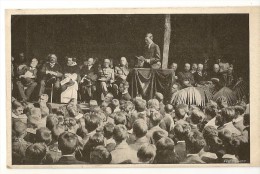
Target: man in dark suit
{"points": [[88, 74], [151, 53], [68, 143]]}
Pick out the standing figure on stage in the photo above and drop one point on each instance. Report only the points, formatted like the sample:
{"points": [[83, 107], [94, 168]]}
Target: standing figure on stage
{"points": [[151, 53], [88, 74], [106, 77], [185, 77], [70, 79], [121, 73], [229, 78], [51, 73], [26, 81]]}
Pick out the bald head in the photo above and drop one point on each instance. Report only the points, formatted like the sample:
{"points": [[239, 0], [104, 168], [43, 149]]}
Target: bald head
{"points": [[216, 68]]}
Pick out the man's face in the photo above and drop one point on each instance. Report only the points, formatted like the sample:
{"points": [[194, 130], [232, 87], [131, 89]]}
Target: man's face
{"points": [[53, 59], [43, 99], [106, 63], [230, 70], [90, 61], [123, 61], [70, 61], [200, 67], [121, 88], [34, 62], [174, 88], [18, 111], [174, 66], [216, 68], [148, 40], [187, 67], [194, 67]]}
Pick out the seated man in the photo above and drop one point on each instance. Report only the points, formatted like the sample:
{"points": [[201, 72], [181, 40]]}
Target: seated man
{"points": [[121, 71], [106, 77], [185, 77], [69, 84], [51, 73], [194, 68], [88, 74], [199, 75], [27, 79]]}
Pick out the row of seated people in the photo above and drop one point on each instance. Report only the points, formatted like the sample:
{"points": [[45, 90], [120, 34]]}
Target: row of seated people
{"points": [[94, 81]]}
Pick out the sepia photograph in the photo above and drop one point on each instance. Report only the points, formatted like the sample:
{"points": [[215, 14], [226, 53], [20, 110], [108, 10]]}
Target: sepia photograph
{"points": [[129, 89]]}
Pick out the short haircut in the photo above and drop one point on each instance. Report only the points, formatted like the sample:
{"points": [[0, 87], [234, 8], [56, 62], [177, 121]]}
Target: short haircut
{"points": [[157, 135], [120, 133], [153, 103], [232, 146], [181, 131], [195, 142], [140, 105], [16, 105], [158, 96], [125, 84], [140, 128], [168, 108], [108, 130], [56, 131], [228, 114], [211, 109], [181, 110], [68, 143], [19, 128], [197, 116], [239, 109], [43, 135], [155, 118], [92, 122], [51, 121], [100, 155], [120, 118], [35, 153], [166, 157], [115, 103], [165, 143], [146, 152], [209, 132]]}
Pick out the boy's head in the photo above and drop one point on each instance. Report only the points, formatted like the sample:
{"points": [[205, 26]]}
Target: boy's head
{"points": [[43, 135], [159, 96], [165, 143], [194, 142], [168, 108], [120, 133], [155, 119], [153, 104], [108, 130], [100, 155], [197, 116], [35, 153], [181, 110], [120, 118], [68, 143], [19, 129], [140, 128], [140, 105], [92, 122], [146, 153], [157, 135], [181, 131]]}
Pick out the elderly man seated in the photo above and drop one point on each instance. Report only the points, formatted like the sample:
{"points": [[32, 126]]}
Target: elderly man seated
{"points": [[69, 84]]}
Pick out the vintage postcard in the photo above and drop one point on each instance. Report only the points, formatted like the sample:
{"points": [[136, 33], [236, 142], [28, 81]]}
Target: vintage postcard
{"points": [[173, 87]]}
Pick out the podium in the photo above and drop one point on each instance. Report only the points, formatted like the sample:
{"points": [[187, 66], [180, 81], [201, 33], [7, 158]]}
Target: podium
{"points": [[147, 81]]}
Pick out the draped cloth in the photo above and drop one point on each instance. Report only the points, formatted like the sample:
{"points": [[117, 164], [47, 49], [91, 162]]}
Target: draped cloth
{"points": [[146, 82]]}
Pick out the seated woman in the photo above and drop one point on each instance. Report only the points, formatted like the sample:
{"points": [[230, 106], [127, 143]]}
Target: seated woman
{"points": [[69, 84]]}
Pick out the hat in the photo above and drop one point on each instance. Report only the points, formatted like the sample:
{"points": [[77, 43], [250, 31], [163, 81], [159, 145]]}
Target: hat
{"points": [[141, 58]]}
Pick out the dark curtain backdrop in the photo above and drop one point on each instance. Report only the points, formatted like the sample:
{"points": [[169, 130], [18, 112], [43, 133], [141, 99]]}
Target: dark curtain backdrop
{"points": [[193, 37]]}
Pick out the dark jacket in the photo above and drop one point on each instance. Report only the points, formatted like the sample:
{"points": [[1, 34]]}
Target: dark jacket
{"points": [[69, 160], [152, 53]]}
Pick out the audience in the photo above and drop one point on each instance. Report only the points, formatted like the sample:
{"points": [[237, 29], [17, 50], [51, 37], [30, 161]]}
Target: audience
{"points": [[125, 129]]}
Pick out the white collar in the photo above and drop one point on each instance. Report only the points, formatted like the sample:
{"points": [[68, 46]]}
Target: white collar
{"points": [[229, 156]]}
